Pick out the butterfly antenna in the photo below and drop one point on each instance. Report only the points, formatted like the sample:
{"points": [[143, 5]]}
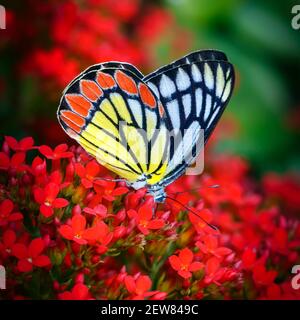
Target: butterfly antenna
{"points": [[212, 186], [111, 180], [195, 213]]}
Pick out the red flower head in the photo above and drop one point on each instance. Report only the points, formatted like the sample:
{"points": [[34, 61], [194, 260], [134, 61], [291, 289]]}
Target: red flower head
{"points": [[59, 152], [183, 263], [78, 232], [100, 211], [6, 213], [88, 173], [210, 246], [139, 287], [16, 162], [199, 223], [30, 256], [144, 219], [78, 292], [8, 241], [263, 277], [23, 145], [109, 189], [47, 198]]}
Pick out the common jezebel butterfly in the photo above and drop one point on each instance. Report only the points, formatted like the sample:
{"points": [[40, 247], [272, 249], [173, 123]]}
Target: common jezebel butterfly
{"points": [[122, 118]]}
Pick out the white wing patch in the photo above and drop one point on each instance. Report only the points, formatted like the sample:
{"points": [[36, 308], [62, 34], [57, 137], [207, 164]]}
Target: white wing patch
{"points": [[208, 76], [173, 109], [166, 86], [187, 104], [220, 82], [198, 98], [182, 80], [197, 77], [136, 109], [184, 149]]}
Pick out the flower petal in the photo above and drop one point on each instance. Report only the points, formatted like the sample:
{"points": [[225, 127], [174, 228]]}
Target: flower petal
{"points": [[24, 265], [46, 211], [78, 223], [175, 262], [195, 266], [186, 256], [36, 247], [60, 203], [20, 251], [66, 231], [41, 261]]}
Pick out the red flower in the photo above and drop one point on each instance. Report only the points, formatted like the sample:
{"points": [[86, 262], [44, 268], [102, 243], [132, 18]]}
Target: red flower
{"points": [[30, 256], [263, 277], [8, 241], [47, 198], [23, 145], [77, 230], [78, 292], [100, 211], [210, 246], [108, 189], [183, 263], [59, 152], [139, 287], [144, 217], [88, 173], [198, 223], [6, 215], [15, 162]]}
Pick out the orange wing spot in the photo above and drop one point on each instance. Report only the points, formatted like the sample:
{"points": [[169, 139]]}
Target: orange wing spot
{"points": [[75, 118], [161, 110], [79, 104], [105, 80], [147, 96], [125, 82], [90, 89], [70, 124]]}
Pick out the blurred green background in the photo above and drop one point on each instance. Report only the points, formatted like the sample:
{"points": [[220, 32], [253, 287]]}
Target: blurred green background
{"points": [[263, 119]]}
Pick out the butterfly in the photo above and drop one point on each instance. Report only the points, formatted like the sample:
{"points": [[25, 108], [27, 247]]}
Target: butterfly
{"points": [[124, 119]]}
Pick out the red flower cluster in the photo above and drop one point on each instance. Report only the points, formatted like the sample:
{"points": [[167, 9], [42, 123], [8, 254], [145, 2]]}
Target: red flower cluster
{"points": [[82, 34], [66, 234]]}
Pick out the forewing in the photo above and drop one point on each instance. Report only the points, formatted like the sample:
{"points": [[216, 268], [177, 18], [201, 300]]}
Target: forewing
{"points": [[115, 117]]}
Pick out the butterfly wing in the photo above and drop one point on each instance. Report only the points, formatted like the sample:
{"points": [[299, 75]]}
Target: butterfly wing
{"points": [[115, 117], [194, 92]]}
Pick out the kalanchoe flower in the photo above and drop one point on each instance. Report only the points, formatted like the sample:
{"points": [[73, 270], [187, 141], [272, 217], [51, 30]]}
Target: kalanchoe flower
{"points": [[88, 173], [16, 162], [94, 229], [47, 198], [59, 152], [100, 211], [183, 263], [30, 256], [6, 213], [139, 287], [78, 232], [144, 219], [8, 241], [23, 145], [210, 246], [78, 292]]}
